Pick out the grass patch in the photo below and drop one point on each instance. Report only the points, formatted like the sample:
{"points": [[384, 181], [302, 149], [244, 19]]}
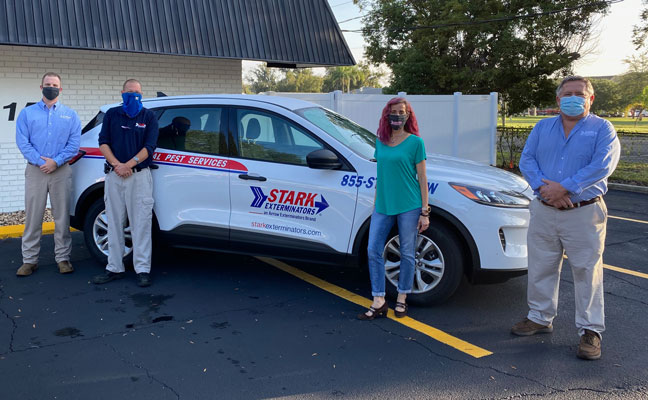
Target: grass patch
{"points": [[630, 173], [625, 124]]}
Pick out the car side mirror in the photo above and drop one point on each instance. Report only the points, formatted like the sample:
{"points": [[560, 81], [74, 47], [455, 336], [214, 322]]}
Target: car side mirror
{"points": [[323, 159]]}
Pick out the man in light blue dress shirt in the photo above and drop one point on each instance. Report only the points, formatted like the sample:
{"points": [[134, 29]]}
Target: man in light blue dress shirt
{"points": [[567, 160], [48, 135]]}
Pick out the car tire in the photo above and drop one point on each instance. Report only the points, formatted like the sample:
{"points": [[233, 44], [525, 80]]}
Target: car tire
{"points": [[438, 269], [95, 235]]}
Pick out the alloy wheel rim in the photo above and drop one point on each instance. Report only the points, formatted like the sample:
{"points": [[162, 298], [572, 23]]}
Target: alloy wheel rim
{"points": [[429, 264], [100, 235]]}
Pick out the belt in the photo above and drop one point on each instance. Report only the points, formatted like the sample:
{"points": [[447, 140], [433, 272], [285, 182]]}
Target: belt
{"points": [[576, 205], [108, 168]]}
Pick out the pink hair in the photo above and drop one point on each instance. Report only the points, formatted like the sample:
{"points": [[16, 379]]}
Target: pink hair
{"points": [[384, 128]]}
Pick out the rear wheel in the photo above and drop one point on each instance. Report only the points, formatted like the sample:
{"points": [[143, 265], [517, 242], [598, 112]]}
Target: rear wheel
{"points": [[438, 267], [95, 232]]}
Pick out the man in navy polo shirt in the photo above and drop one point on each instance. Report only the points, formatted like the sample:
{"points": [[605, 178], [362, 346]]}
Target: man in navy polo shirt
{"points": [[127, 139]]}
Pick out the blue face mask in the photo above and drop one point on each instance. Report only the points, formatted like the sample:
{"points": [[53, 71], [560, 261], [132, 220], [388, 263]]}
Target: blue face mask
{"points": [[572, 105], [132, 103]]}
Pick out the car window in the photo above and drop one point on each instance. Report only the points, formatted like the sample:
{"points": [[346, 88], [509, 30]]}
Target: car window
{"points": [[194, 129], [342, 129], [267, 137]]}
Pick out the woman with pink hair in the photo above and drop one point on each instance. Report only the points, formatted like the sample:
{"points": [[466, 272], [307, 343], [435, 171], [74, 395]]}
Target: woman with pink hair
{"points": [[402, 197]]}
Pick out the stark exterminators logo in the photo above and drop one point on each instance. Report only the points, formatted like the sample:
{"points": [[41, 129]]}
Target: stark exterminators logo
{"points": [[288, 201]]}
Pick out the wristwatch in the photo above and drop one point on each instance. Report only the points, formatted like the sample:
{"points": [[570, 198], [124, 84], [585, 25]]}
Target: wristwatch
{"points": [[425, 211], [136, 159]]}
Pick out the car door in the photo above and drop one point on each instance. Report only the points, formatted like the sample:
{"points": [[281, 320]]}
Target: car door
{"points": [[191, 184], [280, 206]]}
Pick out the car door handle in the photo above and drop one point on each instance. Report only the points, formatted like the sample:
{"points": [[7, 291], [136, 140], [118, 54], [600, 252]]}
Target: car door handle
{"points": [[253, 178]]}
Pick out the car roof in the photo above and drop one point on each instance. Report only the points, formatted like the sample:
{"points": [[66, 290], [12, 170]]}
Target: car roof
{"points": [[284, 102]]}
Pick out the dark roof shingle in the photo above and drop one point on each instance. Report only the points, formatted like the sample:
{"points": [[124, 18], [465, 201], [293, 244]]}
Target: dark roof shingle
{"points": [[301, 32]]}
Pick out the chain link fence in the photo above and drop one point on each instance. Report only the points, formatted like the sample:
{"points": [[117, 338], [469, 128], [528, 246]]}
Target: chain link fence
{"points": [[634, 153]]}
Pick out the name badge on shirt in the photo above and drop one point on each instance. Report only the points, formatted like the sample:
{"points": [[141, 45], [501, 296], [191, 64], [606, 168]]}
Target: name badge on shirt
{"points": [[139, 125], [588, 133], [125, 127], [65, 117]]}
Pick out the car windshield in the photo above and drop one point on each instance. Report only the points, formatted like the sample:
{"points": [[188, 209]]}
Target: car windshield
{"points": [[347, 132]]}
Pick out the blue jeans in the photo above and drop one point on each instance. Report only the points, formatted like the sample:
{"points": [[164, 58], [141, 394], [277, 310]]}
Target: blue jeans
{"points": [[381, 224]]}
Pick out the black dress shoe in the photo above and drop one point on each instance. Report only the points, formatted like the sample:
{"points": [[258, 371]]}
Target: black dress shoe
{"points": [[379, 312], [107, 277], [143, 279]]}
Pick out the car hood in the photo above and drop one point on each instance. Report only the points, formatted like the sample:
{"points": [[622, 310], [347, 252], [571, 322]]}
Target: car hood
{"points": [[468, 172]]}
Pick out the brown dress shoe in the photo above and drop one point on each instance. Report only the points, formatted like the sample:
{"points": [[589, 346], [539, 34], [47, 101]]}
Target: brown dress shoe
{"points": [[26, 269], [589, 347], [526, 327], [65, 267]]}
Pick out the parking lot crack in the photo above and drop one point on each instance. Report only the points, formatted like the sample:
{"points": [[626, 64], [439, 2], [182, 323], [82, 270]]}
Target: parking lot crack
{"points": [[14, 326], [639, 239], [617, 392], [143, 368], [480, 367]]}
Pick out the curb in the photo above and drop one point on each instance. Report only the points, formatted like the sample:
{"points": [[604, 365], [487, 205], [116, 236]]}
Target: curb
{"points": [[628, 188], [14, 231]]}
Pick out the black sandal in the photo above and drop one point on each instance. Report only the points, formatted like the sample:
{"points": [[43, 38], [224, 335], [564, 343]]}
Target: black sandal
{"points": [[375, 313], [400, 314]]}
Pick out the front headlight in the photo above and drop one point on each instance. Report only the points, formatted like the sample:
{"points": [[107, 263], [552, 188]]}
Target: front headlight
{"points": [[490, 197]]}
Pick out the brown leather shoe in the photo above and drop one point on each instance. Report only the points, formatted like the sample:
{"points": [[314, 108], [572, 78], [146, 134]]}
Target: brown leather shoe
{"points": [[26, 269], [526, 327], [65, 267], [589, 347]]}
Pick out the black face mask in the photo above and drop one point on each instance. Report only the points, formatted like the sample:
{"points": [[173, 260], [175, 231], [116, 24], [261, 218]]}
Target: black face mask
{"points": [[50, 93], [397, 121]]}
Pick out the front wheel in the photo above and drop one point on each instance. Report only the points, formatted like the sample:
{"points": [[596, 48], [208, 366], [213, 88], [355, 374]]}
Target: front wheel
{"points": [[95, 233], [438, 266]]}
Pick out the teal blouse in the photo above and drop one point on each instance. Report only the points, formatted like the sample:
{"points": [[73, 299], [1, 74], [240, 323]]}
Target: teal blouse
{"points": [[397, 188]]}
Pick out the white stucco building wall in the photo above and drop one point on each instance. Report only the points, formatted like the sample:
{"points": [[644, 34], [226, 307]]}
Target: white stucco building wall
{"points": [[90, 80]]}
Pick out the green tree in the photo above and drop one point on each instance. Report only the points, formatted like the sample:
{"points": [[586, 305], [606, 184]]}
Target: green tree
{"points": [[608, 97], [632, 83], [514, 47], [640, 31], [262, 79], [300, 80], [347, 79]]}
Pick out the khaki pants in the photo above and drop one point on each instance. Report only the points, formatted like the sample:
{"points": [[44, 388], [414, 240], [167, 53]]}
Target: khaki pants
{"points": [[130, 197], [38, 185], [580, 233]]}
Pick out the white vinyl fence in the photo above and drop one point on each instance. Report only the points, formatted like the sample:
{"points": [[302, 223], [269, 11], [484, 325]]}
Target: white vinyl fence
{"points": [[457, 125]]}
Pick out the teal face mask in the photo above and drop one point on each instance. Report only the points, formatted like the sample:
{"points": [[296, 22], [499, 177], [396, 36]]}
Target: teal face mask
{"points": [[572, 105]]}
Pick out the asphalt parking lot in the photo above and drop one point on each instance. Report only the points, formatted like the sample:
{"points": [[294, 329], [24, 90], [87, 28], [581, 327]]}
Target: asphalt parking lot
{"points": [[217, 326]]}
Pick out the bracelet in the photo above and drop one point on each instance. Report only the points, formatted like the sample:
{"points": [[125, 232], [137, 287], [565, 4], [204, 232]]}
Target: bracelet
{"points": [[425, 215]]}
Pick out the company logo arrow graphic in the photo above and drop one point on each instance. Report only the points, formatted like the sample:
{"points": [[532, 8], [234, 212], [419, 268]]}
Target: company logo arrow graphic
{"points": [[321, 205], [259, 197]]}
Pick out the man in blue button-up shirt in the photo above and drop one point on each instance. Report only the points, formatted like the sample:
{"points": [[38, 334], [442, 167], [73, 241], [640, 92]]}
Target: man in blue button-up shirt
{"points": [[48, 135], [567, 160]]}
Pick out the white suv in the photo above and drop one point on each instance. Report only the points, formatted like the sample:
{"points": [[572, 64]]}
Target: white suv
{"points": [[285, 178]]}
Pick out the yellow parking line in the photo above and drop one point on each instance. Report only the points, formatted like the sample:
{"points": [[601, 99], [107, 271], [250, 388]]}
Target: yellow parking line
{"points": [[629, 219], [626, 271], [619, 269], [428, 330]]}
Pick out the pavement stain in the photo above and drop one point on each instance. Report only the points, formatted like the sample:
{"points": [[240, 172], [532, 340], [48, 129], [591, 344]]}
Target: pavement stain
{"points": [[220, 325], [68, 332]]}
